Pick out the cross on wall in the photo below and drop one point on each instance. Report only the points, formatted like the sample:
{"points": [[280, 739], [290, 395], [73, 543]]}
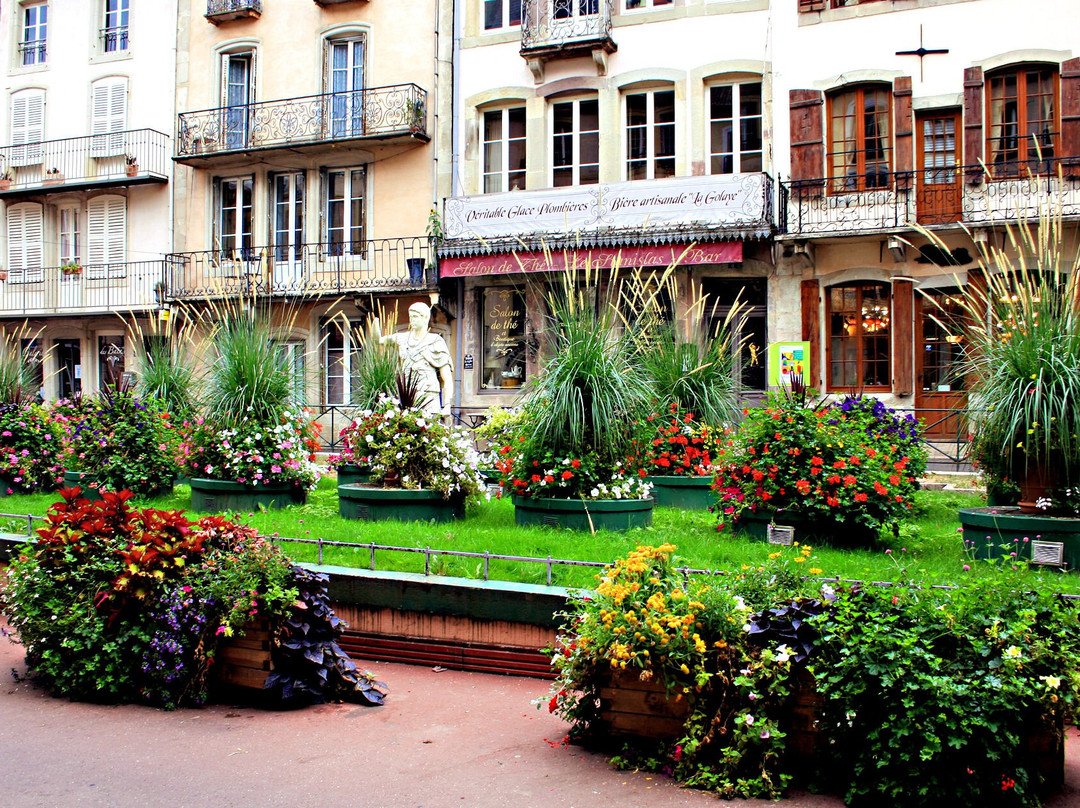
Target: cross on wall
{"points": [[922, 52]]}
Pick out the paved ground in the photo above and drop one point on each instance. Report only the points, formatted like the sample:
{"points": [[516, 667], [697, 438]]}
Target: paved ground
{"points": [[443, 739]]}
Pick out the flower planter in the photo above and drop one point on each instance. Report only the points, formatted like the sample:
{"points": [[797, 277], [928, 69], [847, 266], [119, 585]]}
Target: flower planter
{"points": [[998, 532], [643, 709], [352, 474], [755, 526], [84, 481], [586, 515], [220, 496], [678, 491], [244, 662], [372, 504]]}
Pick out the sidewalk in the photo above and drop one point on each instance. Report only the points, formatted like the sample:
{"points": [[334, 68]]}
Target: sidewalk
{"points": [[443, 739]]}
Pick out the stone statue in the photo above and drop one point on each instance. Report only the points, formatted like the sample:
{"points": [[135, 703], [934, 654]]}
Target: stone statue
{"points": [[426, 356]]}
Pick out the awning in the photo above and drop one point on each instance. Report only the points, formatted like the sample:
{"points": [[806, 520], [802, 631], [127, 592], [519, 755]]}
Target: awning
{"points": [[722, 252]]}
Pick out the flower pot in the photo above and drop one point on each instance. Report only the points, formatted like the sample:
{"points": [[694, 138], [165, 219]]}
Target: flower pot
{"points": [[688, 493], [1036, 484], [221, 496], [586, 515], [133, 170], [642, 709], [371, 504], [89, 486], [352, 474], [1000, 531]]}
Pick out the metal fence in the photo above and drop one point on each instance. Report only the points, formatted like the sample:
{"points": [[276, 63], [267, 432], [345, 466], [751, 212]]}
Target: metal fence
{"points": [[82, 288], [557, 23]]}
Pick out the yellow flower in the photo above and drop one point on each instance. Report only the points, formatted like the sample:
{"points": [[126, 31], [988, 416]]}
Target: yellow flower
{"points": [[815, 571], [683, 668]]}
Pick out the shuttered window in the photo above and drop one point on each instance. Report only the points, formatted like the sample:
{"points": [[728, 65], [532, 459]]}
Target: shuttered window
{"points": [[27, 127], [25, 243], [108, 117], [106, 237]]}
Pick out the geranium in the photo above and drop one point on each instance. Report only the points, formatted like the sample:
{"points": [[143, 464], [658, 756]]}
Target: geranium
{"points": [[253, 453], [675, 443], [584, 477], [853, 462], [29, 448], [355, 450], [410, 448]]}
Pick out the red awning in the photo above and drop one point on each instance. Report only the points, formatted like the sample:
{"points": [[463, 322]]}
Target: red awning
{"points": [[722, 252]]}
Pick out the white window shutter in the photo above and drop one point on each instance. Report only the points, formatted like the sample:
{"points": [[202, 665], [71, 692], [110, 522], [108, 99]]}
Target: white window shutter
{"points": [[27, 127], [108, 117], [25, 243], [106, 236]]}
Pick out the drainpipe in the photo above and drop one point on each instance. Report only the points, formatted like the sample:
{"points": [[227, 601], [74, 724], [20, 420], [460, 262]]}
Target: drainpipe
{"points": [[455, 180]]}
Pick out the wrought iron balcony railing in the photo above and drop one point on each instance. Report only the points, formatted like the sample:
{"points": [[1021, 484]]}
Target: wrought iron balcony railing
{"points": [[303, 269], [375, 113], [87, 289], [218, 11], [974, 194], [32, 52], [560, 24], [114, 40], [117, 158]]}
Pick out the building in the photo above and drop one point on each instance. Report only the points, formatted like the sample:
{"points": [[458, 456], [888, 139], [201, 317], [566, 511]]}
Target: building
{"points": [[84, 181], [306, 140], [912, 142], [603, 131]]}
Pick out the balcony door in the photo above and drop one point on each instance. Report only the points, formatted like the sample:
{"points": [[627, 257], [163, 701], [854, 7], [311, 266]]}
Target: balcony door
{"points": [[937, 178], [573, 19], [345, 69], [237, 95], [288, 230]]}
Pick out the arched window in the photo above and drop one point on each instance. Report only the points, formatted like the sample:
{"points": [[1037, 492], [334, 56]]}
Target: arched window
{"points": [[860, 138], [859, 317]]}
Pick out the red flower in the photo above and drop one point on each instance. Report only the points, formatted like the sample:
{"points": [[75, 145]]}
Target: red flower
{"points": [[860, 497], [575, 463], [566, 475], [880, 488], [849, 479], [816, 461]]}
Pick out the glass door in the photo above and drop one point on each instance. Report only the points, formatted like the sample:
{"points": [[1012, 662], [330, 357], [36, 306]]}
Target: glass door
{"points": [[236, 89], [288, 230], [347, 88]]}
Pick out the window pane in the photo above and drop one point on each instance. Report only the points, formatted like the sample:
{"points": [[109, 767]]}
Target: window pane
{"points": [[503, 342], [492, 14]]}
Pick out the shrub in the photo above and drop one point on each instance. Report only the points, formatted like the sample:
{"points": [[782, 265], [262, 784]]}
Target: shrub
{"points": [[30, 446], [675, 443], [853, 463]]}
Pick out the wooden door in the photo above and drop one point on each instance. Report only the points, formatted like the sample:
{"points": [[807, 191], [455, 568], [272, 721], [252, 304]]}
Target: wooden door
{"points": [[940, 394], [937, 176]]}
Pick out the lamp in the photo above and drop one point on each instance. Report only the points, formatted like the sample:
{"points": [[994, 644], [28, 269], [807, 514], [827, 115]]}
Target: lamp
{"points": [[896, 248]]}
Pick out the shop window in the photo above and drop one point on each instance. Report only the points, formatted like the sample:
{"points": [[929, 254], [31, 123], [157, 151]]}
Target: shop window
{"points": [[502, 314]]}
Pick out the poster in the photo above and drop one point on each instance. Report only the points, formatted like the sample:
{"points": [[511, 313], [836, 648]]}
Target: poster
{"points": [[787, 359]]}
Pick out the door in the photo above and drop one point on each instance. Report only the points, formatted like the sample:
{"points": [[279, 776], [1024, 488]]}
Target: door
{"points": [[346, 70], [940, 394], [237, 96], [288, 230], [937, 175], [69, 368]]}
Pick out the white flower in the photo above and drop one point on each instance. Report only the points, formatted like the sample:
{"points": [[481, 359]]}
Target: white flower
{"points": [[1012, 652], [749, 720], [782, 655], [740, 604], [1053, 682]]}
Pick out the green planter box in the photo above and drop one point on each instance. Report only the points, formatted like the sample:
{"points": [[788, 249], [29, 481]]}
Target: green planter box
{"points": [[586, 515], [370, 504], [688, 493], [83, 480], [351, 474], [222, 496], [997, 532], [755, 526]]}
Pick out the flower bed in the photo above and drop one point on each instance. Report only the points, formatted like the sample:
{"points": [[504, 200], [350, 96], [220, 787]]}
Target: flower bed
{"points": [[29, 449]]}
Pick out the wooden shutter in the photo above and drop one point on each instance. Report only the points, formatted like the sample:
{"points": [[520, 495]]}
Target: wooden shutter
{"points": [[811, 330], [106, 236], [27, 127], [902, 154], [903, 349], [807, 140], [25, 243], [108, 117], [1070, 117], [811, 5], [973, 123]]}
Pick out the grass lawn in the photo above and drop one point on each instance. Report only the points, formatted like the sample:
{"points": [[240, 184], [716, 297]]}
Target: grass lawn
{"points": [[928, 548]]}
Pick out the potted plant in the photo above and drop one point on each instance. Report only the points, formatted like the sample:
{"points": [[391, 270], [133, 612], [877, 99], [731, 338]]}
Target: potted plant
{"points": [[679, 453], [577, 467], [420, 469], [131, 165], [71, 269], [53, 176], [7, 177], [839, 471]]}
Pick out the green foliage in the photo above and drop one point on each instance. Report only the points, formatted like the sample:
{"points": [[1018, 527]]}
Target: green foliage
{"points": [[120, 440], [933, 692], [17, 375], [30, 446], [852, 463], [169, 377]]}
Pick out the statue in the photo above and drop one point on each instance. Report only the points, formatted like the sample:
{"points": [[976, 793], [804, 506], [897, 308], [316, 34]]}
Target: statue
{"points": [[424, 355]]}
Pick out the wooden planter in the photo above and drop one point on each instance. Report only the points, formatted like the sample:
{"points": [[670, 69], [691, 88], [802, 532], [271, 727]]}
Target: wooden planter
{"points": [[681, 491], [643, 709], [585, 515], [371, 504], [245, 661], [221, 496]]}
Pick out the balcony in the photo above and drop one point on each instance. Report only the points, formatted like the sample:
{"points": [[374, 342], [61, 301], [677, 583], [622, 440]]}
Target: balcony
{"points": [[675, 210], [94, 289], [336, 2], [304, 270], [975, 195], [555, 29], [135, 157], [396, 114], [219, 11]]}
